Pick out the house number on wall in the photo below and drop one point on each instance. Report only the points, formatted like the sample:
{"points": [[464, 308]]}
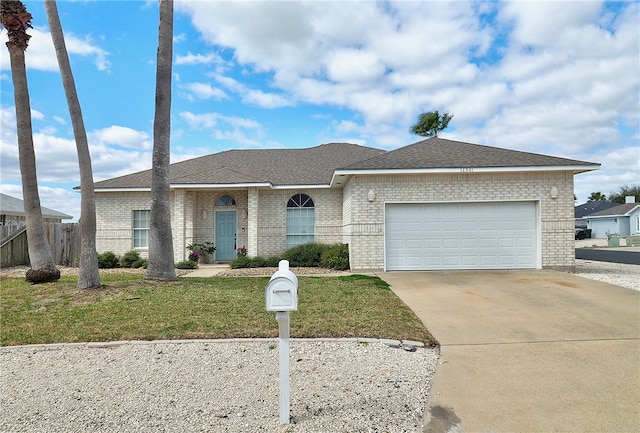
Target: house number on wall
{"points": [[466, 170]]}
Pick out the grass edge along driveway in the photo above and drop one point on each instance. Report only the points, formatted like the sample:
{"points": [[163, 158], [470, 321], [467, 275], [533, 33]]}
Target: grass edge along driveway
{"points": [[130, 308]]}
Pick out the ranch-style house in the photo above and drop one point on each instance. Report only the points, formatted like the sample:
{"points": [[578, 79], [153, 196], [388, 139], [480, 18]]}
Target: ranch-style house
{"points": [[436, 204]]}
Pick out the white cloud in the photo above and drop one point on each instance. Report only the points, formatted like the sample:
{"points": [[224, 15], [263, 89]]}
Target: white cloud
{"points": [[41, 55], [121, 136], [234, 129], [256, 97], [196, 59], [204, 91], [541, 25], [211, 120], [35, 114]]}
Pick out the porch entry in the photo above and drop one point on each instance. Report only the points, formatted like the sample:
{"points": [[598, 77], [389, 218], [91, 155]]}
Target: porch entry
{"points": [[225, 235]]}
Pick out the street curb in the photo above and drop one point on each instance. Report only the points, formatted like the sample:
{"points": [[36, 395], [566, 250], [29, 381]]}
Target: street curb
{"points": [[118, 343]]}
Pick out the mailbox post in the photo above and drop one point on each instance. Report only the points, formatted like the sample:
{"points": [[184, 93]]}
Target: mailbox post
{"points": [[281, 296]]}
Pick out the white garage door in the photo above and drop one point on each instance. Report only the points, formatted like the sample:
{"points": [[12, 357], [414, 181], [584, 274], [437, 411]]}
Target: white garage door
{"points": [[430, 236]]}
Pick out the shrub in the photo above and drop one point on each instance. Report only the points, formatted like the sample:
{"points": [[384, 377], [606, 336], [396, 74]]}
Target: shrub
{"points": [[257, 262], [186, 264], [240, 262], [140, 263], [305, 255], [272, 262], [336, 257], [129, 258], [108, 260]]}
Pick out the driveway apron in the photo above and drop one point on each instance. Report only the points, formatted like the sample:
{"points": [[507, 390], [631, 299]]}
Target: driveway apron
{"points": [[528, 351]]}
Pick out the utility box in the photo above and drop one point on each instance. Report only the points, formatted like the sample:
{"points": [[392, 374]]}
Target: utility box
{"points": [[282, 291]]}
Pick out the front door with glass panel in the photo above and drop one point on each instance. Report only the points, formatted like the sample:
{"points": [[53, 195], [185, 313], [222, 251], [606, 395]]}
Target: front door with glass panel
{"points": [[225, 235]]}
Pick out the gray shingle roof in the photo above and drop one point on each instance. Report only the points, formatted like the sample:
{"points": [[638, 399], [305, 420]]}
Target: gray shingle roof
{"points": [[437, 152], [316, 165], [590, 207], [312, 166], [14, 206], [615, 211]]}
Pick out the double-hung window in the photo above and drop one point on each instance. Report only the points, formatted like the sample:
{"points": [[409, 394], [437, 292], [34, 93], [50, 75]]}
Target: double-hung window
{"points": [[141, 229], [301, 220]]}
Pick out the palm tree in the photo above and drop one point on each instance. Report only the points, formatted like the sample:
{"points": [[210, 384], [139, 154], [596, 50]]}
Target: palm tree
{"points": [[16, 19], [161, 265], [89, 275], [431, 123]]}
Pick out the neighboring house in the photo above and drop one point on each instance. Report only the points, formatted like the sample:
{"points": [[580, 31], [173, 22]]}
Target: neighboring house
{"points": [[12, 211], [434, 204], [623, 219], [588, 208]]}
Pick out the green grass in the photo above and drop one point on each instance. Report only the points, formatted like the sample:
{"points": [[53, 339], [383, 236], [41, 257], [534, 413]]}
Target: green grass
{"points": [[129, 308]]}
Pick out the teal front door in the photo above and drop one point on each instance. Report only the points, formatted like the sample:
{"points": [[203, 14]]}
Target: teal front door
{"points": [[225, 235]]}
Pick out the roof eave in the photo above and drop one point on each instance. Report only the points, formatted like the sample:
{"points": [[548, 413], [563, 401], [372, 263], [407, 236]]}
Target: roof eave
{"points": [[226, 186], [618, 215], [341, 173]]}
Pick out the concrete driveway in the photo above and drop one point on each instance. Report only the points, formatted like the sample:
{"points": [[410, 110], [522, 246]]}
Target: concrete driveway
{"points": [[528, 351]]}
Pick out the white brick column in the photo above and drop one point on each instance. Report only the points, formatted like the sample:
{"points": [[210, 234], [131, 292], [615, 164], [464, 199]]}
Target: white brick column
{"points": [[189, 208], [252, 222], [179, 247]]}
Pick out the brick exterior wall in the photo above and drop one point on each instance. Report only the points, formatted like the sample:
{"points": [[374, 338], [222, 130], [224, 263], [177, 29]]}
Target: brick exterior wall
{"points": [[114, 220], [365, 232], [272, 217], [344, 215]]}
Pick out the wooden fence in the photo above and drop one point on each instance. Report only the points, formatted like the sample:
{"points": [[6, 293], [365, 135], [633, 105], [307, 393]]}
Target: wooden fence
{"points": [[64, 240]]}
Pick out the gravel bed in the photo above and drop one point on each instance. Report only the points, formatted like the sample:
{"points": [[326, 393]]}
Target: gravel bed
{"points": [[620, 274], [214, 386]]}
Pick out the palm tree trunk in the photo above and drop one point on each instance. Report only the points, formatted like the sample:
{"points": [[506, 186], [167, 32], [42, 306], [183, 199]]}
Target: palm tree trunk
{"points": [[161, 265], [16, 19], [89, 275]]}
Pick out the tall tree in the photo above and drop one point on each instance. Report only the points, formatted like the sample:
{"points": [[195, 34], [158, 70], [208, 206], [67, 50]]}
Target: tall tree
{"points": [[16, 19], [431, 123], [624, 191], [161, 265], [597, 196], [89, 276]]}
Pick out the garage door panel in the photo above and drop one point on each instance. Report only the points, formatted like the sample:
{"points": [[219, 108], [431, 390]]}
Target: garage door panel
{"points": [[470, 243], [470, 261], [499, 235]]}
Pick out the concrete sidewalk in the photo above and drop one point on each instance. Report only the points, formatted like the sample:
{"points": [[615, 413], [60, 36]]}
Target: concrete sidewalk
{"points": [[528, 351], [208, 270]]}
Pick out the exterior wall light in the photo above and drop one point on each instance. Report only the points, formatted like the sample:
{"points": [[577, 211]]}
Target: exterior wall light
{"points": [[553, 192], [371, 196]]}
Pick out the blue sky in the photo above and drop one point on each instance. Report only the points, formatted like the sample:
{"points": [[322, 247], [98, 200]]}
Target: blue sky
{"points": [[559, 78]]}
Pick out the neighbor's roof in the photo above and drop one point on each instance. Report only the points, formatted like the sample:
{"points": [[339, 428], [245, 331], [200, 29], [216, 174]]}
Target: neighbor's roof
{"points": [[620, 210], [319, 165], [590, 207], [14, 206], [440, 153]]}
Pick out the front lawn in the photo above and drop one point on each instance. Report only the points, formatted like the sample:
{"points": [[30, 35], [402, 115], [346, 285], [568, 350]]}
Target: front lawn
{"points": [[129, 308]]}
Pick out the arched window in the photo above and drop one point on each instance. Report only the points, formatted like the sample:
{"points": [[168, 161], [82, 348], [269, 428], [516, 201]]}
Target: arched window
{"points": [[301, 220], [226, 200]]}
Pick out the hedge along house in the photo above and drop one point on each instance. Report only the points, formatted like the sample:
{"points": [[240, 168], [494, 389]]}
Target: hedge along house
{"points": [[435, 204]]}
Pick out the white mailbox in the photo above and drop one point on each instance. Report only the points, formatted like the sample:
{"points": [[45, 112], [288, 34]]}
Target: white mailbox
{"points": [[282, 290]]}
